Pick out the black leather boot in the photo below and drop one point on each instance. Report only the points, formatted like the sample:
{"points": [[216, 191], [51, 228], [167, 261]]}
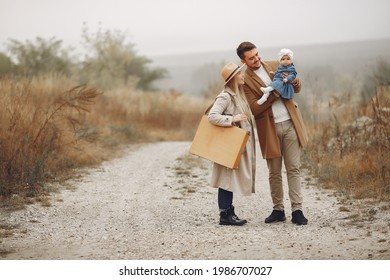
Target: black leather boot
{"points": [[298, 218], [276, 216], [228, 217]]}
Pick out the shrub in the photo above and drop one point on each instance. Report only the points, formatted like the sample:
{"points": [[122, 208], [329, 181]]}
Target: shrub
{"points": [[354, 156], [40, 123]]}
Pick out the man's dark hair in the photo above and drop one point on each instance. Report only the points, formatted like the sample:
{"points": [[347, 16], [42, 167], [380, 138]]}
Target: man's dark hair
{"points": [[244, 47]]}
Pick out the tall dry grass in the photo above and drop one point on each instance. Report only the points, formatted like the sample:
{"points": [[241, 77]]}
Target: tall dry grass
{"points": [[351, 153], [138, 116], [49, 127], [41, 130]]}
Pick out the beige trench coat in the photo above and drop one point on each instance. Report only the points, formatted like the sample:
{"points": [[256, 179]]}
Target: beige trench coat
{"points": [[242, 179]]}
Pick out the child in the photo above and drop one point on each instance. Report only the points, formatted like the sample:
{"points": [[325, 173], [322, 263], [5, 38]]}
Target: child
{"points": [[280, 84]]}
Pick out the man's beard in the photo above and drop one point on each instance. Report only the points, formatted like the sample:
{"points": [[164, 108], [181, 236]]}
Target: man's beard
{"points": [[254, 68]]}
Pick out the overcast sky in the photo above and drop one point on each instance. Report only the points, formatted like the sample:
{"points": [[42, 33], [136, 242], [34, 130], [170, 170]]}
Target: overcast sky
{"points": [[183, 26]]}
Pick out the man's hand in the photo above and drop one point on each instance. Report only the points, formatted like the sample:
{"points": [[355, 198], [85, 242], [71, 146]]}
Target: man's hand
{"points": [[295, 82]]}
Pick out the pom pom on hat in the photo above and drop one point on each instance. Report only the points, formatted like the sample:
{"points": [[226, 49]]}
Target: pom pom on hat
{"points": [[284, 52]]}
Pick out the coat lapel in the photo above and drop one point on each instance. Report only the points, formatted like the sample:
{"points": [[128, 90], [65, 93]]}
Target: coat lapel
{"points": [[254, 76], [267, 68]]}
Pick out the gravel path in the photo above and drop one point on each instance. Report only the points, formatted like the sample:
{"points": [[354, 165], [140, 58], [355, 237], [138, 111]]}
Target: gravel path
{"points": [[155, 203]]}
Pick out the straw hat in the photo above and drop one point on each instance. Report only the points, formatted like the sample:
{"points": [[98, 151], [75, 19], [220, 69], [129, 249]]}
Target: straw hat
{"points": [[229, 71]]}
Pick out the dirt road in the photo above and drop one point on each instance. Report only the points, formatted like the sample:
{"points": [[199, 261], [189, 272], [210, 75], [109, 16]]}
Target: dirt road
{"points": [[155, 203]]}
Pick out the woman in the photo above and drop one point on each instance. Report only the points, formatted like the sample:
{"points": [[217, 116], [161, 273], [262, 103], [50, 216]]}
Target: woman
{"points": [[231, 108]]}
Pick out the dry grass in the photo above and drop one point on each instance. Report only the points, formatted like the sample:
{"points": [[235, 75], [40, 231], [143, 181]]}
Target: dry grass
{"points": [[41, 126], [354, 156], [147, 116], [50, 127]]}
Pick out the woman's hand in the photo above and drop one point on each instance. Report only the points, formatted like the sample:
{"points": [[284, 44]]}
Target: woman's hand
{"points": [[239, 117]]}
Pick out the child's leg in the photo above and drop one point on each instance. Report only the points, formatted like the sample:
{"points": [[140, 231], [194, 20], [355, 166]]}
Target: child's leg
{"points": [[266, 89], [266, 94], [263, 98]]}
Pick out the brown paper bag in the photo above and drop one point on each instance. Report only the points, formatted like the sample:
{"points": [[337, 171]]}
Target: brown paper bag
{"points": [[223, 145]]}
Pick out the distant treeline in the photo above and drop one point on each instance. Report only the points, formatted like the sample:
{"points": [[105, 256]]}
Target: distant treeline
{"points": [[110, 61], [324, 68]]}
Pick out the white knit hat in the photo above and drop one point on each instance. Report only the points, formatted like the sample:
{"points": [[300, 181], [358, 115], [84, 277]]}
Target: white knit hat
{"points": [[284, 52]]}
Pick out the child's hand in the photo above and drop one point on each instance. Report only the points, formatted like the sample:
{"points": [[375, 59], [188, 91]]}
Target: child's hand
{"points": [[285, 80]]}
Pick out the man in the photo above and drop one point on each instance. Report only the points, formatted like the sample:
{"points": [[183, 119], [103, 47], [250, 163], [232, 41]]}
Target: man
{"points": [[281, 132]]}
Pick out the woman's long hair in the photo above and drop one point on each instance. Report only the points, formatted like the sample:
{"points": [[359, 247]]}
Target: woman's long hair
{"points": [[242, 102]]}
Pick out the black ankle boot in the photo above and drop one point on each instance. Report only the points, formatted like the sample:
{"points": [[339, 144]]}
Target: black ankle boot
{"points": [[298, 218], [276, 216], [228, 217]]}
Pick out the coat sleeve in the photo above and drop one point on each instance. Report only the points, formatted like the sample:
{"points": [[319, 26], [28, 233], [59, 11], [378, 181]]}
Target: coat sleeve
{"points": [[216, 116], [252, 99], [297, 85], [292, 74], [278, 75], [295, 81]]}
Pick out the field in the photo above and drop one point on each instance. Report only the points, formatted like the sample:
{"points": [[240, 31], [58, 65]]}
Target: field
{"points": [[51, 125]]}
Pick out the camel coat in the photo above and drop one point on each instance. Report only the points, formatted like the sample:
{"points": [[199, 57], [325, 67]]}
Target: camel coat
{"points": [[242, 179], [265, 124]]}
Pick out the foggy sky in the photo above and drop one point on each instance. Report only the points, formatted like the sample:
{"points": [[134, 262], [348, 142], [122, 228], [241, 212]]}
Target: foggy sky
{"points": [[179, 26]]}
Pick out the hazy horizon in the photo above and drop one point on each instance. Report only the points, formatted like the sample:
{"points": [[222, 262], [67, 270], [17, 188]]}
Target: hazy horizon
{"points": [[191, 73], [183, 27], [275, 46]]}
